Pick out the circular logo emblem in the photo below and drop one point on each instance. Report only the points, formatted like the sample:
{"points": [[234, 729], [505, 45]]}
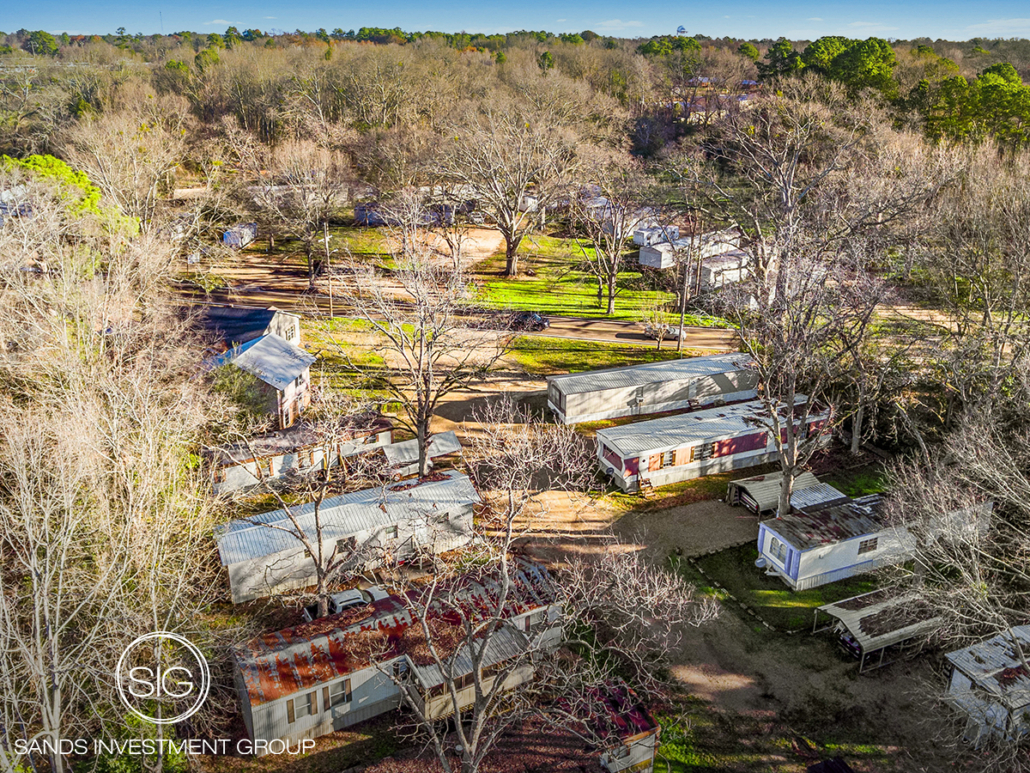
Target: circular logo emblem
{"points": [[162, 678]]}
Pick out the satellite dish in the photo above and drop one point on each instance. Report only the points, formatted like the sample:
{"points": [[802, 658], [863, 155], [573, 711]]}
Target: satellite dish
{"points": [[681, 30]]}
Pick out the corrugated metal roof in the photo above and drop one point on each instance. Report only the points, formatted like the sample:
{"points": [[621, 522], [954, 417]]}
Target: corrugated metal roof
{"points": [[687, 428], [880, 619], [829, 524], [815, 495], [275, 665], [400, 454], [650, 373], [504, 644], [302, 435], [765, 489], [342, 516], [995, 666], [270, 358]]}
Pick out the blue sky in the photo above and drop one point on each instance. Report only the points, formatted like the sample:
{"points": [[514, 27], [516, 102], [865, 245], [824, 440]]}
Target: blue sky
{"points": [[737, 18]]}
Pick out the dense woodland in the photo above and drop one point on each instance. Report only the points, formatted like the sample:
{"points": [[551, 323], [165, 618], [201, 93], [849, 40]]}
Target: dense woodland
{"points": [[882, 189]]}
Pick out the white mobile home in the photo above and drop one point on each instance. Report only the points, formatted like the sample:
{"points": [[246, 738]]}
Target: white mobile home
{"points": [[691, 445], [301, 449], [312, 679], [240, 236], [434, 514], [645, 237], [627, 732], [990, 685], [830, 541], [654, 387], [665, 254]]}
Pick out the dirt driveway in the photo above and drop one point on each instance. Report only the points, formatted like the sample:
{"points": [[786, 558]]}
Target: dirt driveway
{"points": [[623, 332], [694, 529]]}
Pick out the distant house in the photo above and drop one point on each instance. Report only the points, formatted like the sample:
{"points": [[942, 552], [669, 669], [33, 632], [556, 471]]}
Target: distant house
{"points": [[283, 371], [879, 627], [235, 325], [990, 685], [240, 236], [646, 236], [400, 519], [651, 388], [831, 537], [299, 448], [691, 445], [665, 254], [15, 202], [318, 677]]}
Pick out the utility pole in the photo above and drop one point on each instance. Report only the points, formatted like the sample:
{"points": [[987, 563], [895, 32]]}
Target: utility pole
{"points": [[694, 243]]}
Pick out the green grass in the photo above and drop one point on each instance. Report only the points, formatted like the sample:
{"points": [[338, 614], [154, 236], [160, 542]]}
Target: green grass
{"points": [[540, 355], [684, 492], [871, 479], [777, 604], [560, 288]]}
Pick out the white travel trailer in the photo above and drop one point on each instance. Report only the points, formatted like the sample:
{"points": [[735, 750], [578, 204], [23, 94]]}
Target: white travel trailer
{"points": [[636, 390]]}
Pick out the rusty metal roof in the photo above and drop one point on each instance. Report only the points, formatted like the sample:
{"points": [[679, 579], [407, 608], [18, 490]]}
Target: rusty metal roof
{"points": [[885, 620], [276, 665], [995, 666], [829, 524]]}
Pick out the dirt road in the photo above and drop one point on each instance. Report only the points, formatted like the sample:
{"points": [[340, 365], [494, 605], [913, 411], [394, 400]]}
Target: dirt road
{"points": [[621, 332]]}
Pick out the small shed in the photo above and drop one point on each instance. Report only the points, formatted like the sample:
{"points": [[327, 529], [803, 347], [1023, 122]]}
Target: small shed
{"points": [[402, 457], [990, 684], [240, 236], [691, 445], [401, 519], [879, 627], [654, 387], [762, 492]]}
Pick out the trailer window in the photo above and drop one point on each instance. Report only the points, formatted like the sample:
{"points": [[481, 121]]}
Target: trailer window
{"points": [[777, 549], [867, 545], [336, 694]]}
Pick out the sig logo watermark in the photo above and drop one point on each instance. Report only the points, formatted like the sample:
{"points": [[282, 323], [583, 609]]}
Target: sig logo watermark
{"points": [[162, 678]]}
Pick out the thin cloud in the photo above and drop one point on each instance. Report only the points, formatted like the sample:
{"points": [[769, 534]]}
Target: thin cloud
{"points": [[814, 18], [219, 21], [271, 17], [618, 24], [871, 26], [1000, 27], [559, 21]]}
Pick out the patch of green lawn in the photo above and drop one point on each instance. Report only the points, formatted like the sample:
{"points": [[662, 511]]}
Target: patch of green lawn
{"points": [[559, 287], [871, 479], [540, 355], [777, 604]]}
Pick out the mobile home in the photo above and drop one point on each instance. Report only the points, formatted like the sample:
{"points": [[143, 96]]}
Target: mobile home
{"points": [[666, 254], [302, 448], [654, 387], [240, 236], [990, 685], [394, 521], [691, 445], [318, 677]]}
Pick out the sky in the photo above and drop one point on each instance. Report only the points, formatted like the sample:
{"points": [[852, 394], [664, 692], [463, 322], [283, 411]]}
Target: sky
{"points": [[799, 19]]}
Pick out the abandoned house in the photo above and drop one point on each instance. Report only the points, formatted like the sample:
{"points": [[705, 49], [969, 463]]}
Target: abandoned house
{"points": [[231, 326], [990, 685], [240, 236], [761, 493], [377, 525], [691, 445], [282, 375], [402, 458], [301, 448], [629, 734], [314, 678], [654, 387]]}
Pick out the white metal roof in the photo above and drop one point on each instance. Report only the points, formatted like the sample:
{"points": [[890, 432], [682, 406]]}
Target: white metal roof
{"points": [[650, 373], [995, 666], [879, 619], [687, 428], [369, 510], [270, 358], [765, 489], [400, 454], [816, 494]]}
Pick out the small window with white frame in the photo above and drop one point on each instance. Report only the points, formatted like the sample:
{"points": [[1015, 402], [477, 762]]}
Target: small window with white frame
{"points": [[868, 545], [336, 694], [777, 549]]}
